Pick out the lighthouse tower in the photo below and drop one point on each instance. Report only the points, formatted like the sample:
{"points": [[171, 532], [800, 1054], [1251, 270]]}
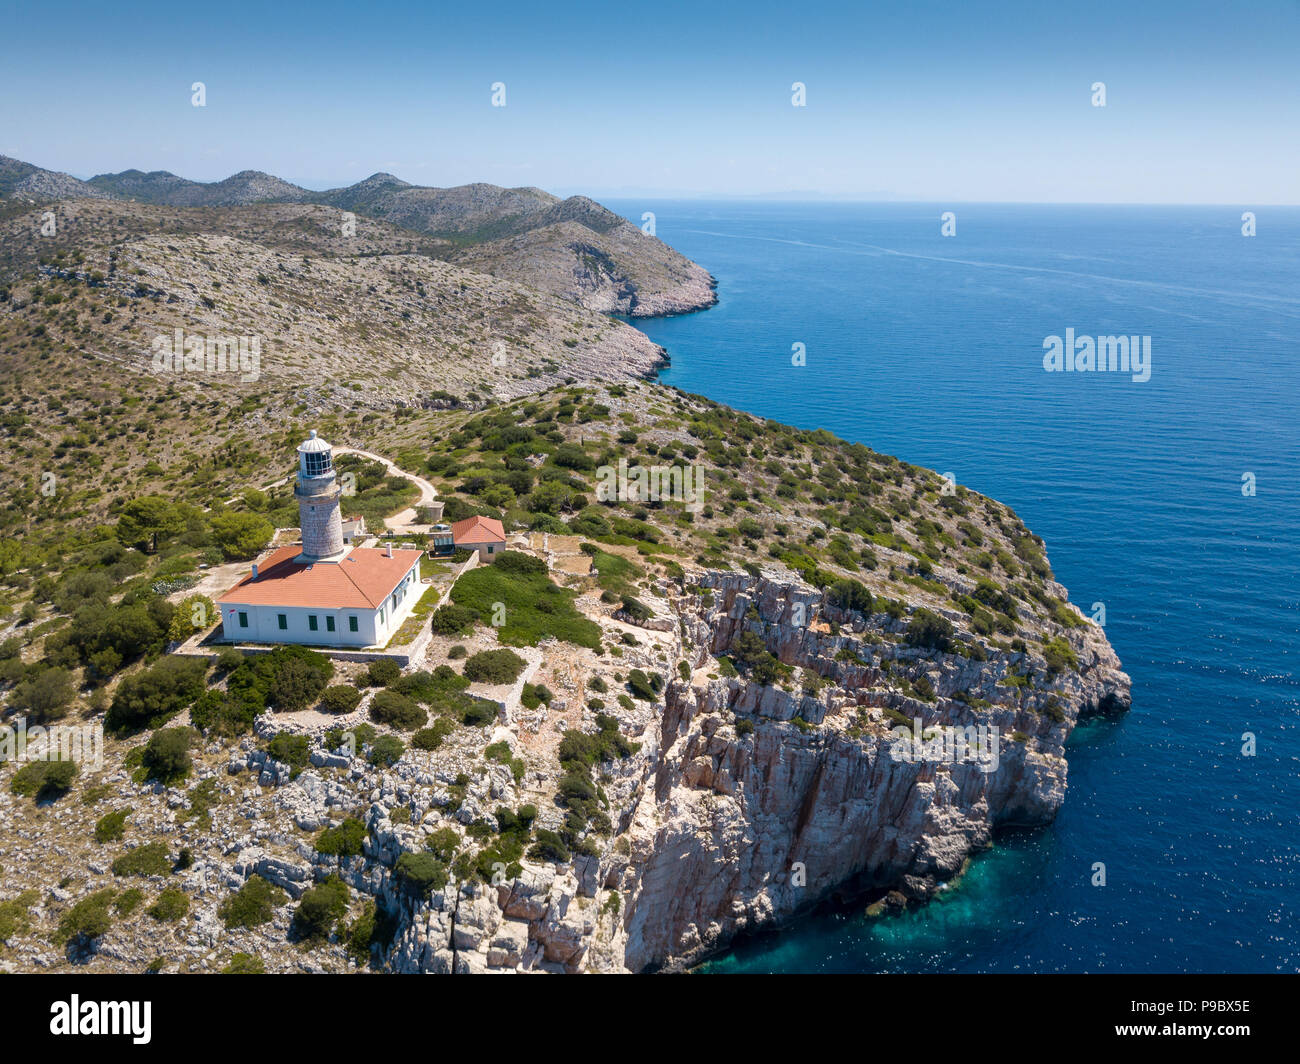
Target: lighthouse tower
{"points": [[318, 496]]}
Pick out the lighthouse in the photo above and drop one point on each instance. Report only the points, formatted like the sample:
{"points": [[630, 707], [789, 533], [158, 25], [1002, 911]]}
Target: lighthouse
{"points": [[318, 494], [323, 593]]}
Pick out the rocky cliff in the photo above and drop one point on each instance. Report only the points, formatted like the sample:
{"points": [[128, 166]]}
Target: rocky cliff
{"points": [[747, 804]]}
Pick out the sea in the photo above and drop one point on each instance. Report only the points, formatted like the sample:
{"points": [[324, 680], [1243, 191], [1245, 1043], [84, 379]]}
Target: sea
{"points": [[1170, 509]]}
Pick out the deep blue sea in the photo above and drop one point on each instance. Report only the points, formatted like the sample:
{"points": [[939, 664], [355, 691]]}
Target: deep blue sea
{"points": [[931, 348]]}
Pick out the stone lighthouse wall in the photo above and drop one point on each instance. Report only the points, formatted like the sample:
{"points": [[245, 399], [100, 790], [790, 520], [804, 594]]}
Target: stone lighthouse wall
{"points": [[322, 524]]}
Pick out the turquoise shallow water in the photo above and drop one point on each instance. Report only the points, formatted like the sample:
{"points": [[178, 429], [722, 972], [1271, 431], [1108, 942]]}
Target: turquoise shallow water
{"points": [[930, 348]]}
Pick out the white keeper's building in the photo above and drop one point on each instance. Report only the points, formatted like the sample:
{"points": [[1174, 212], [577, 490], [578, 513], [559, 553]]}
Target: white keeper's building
{"points": [[322, 592]]}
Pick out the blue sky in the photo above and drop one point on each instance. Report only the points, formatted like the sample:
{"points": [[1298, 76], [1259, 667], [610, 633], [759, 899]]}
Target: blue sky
{"points": [[913, 101]]}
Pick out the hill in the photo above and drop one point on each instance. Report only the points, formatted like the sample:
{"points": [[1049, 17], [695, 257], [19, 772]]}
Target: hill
{"points": [[573, 248]]}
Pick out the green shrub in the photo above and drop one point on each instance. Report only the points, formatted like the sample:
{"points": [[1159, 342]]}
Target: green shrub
{"points": [[513, 561], [128, 901], [397, 711], [927, 629], [292, 750], [850, 595], [339, 699], [298, 679], [320, 908], [88, 919], [550, 847], [344, 840], [221, 713], [252, 905], [643, 686], [452, 620], [172, 904], [148, 699], [636, 609], [387, 750], [111, 826], [1060, 656], [47, 781], [421, 873], [494, 666], [382, 671], [167, 755], [150, 859]]}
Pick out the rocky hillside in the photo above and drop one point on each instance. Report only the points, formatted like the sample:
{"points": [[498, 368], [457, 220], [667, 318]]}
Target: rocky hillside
{"points": [[572, 248], [28, 184], [693, 732], [166, 189], [330, 314]]}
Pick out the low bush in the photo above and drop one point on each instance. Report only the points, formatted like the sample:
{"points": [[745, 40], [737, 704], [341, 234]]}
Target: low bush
{"points": [[339, 699], [46, 781], [344, 840], [88, 919], [382, 672], [150, 859], [172, 904], [387, 750], [252, 905], [494, 666], [452, 620], [111, 826], [397, 711], [320, 908], [167, 755]]}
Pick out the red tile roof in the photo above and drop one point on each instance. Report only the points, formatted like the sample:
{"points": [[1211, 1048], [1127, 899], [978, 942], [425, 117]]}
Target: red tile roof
{"points": [[362, 580], [478, 530]]}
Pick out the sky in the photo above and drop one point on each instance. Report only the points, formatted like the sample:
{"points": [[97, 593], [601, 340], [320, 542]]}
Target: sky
{"points": [[956, 102]]}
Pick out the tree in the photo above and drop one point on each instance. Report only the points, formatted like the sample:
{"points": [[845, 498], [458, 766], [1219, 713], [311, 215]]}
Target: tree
{"points": [[321, 908], [167, 755], [341, 698], [193, 614], [45, 695], [850, 595], [240, 535], [397, 711], [149, 698], [143, 520], [927, 629], [298, 682], [421, 873]]}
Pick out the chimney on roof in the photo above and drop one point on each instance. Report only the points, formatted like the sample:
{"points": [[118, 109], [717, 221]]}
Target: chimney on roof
{"points": [[390, 551], [255, 570]]}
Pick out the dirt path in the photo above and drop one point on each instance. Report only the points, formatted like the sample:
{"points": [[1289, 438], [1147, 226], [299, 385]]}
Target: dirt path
{"points": [[404, 520]]}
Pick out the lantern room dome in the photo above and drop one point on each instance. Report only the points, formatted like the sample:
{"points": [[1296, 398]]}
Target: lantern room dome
{"points": [[313, 444]]}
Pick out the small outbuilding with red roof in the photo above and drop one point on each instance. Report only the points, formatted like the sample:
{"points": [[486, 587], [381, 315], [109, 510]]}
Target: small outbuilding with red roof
{"points": [[483, 534]]}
